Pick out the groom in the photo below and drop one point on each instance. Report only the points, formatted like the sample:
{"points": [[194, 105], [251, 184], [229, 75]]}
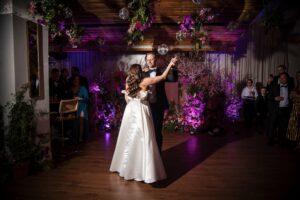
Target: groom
{"points": [[157, 96]]}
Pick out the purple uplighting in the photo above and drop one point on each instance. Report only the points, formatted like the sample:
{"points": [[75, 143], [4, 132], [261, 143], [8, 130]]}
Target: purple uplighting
{"points": [[107, 138]]}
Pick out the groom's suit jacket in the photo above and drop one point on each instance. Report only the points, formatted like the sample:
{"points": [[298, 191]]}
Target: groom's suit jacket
{"points": [[161, 97]]}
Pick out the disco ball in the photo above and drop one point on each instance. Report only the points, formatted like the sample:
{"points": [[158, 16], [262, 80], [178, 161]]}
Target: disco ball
{"points": [[180, 35], [163, 49], [124, 13], [197, 1]]}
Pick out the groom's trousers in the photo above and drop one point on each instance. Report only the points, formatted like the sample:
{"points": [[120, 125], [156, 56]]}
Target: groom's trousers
{"points": [[158, 118]]}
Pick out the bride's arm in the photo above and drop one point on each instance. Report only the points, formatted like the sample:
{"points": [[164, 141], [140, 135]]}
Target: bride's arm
{"points": [[153, 80], [125, 92]]}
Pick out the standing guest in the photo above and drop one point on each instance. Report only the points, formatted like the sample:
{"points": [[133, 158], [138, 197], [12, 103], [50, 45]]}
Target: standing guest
{"points": [[79, 92], [64, 75], [270, 81], [249, 95], [282, 69], [83, 80], [262, 109], [279, 109], [64, 84], [54, 90], [54, 84], [293, 131]]}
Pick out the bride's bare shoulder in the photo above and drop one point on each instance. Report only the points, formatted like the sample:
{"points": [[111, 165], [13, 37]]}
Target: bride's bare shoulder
{"points": [[143, 84]]}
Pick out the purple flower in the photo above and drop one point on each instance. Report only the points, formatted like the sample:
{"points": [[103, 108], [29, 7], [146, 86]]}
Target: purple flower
{"points": [[183, 28], [41, 22], [193, 110], [232, 108], [61, 25]]}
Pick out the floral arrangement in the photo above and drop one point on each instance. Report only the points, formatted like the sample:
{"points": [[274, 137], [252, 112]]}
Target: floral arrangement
{"points": [[193, 111], [233, 101], [193, 23], [58, 17], [173, 118], [198, 75], [109, 101], [193, 26], [142, 18], [117, 84], [105, 115], [233, 105]]}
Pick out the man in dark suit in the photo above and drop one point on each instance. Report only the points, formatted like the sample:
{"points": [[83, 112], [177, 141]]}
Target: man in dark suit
{"points": [[279, 108], [282, 69], [157, 96]]}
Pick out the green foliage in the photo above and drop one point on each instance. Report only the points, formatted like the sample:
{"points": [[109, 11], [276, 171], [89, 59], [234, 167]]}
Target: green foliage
{"points": [[58, 16], [3, 160], [273, 18], [21, 129], [1, 128], [173, 118], [141, 18]]}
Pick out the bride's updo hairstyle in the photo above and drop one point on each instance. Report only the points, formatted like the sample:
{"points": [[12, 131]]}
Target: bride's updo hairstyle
{"points": [[133, 80]]}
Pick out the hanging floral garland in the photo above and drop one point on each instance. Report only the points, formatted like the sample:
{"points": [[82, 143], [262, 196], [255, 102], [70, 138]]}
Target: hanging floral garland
{"points": [[142, 16], [192, 25], [58, 17]]}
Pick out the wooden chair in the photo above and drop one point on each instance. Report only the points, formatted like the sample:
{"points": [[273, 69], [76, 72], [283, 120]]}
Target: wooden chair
{"points": [[67, 112]]}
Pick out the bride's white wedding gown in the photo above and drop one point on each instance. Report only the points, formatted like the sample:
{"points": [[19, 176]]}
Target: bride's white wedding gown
{"points": [[136, 155]]}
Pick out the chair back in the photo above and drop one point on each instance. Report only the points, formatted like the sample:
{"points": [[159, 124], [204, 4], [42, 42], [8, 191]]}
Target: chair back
{"points": [[68, 106]]}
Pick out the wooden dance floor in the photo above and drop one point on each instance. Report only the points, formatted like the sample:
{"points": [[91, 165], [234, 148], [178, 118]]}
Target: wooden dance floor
{"points": [[198, 166]]}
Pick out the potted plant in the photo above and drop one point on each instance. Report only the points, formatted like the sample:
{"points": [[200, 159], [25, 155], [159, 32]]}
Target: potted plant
{"points": [[20, 133], [4, 172]]}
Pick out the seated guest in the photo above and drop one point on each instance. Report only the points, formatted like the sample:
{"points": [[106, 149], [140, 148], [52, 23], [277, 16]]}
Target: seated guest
{"points": [[79, 92], [279, 106], [249, 94], [261, 108]]}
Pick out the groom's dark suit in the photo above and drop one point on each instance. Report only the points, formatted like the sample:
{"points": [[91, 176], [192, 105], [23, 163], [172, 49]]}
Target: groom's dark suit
{"points": [[159, 102]]}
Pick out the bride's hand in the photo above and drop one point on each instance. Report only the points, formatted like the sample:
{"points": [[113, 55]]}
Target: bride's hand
{"points": [[173, 61]]}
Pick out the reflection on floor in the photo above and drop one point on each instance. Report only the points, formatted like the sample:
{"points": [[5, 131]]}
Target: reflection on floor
{"points": [[232, 166]]}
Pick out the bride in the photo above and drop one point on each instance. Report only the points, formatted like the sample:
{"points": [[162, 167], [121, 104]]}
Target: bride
{"points": [[136, 155]]}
